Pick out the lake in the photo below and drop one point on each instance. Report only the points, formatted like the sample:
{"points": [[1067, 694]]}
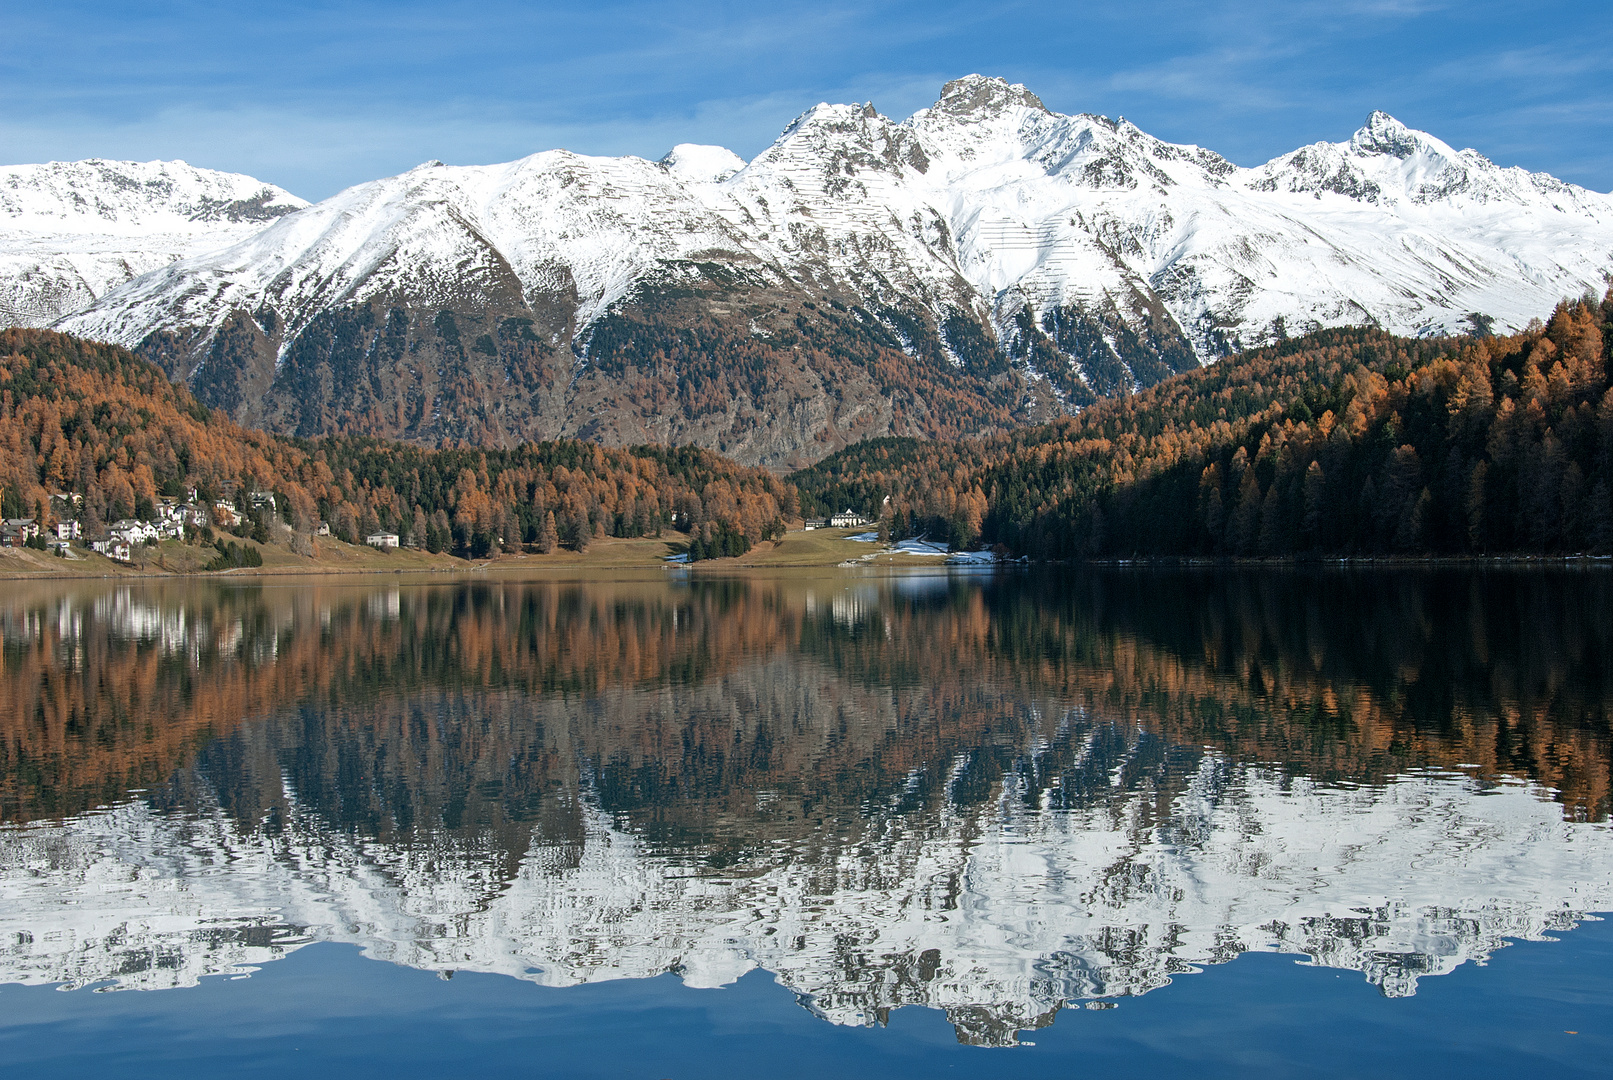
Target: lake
{"points": [[1328, 822]]}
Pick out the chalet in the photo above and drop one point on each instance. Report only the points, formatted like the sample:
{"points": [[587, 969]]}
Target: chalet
{"points": [[817, 523], [382, 540], [69, 530], [322, 529], [226, 514], [24, 529], [847, 520]]}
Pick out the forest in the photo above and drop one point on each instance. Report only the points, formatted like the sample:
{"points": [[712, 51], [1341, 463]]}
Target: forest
{"points": [[92, 420], [1346, 441]]}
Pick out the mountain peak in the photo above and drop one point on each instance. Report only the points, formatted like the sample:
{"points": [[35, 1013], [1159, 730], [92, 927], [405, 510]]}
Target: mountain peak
{"points": [[975, 95], [701, 164], [1383, 134]]}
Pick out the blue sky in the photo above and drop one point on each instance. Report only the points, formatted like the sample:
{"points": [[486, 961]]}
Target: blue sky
{"points": [[317, 96]]}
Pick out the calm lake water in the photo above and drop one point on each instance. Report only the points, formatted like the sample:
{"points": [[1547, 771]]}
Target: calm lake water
{"points": [[1146, 823]]}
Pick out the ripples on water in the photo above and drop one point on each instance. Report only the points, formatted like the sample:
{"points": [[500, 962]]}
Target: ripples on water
{"points": [[994, 796]]}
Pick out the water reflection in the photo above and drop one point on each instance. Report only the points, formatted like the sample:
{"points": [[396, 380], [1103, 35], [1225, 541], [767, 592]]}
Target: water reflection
{"points": [[990, 796]]}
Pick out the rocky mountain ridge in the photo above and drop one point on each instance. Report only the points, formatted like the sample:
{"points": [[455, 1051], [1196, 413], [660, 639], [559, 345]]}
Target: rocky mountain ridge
{"points": [[982, 264], [71, 232]]}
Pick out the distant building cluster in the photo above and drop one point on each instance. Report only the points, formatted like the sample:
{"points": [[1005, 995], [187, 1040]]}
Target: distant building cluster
{"points": [[169, 518], [846, 519]]}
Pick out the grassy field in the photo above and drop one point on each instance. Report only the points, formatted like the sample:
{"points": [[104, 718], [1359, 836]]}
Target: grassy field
{"points": [[822, 547], [818, 548], [172, 557]]}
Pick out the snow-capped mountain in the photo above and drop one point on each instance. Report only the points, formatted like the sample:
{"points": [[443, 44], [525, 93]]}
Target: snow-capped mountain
{"points": [[70, 232], [982, 263], [1000, 915]]}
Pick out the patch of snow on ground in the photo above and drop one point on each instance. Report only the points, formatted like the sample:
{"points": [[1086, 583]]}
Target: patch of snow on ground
{"points": [[922, 547], [865, 538]]}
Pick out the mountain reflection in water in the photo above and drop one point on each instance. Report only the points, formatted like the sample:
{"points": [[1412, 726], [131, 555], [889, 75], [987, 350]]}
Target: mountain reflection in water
{"points": [[994, 796]]}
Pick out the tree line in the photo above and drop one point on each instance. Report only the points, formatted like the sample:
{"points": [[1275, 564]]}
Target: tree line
{"points": [[93, 421], [1347, 441]]}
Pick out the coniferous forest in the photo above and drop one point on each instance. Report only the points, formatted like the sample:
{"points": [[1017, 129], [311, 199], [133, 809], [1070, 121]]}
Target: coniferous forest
{"points": [[1343, 442], [93, 420]]}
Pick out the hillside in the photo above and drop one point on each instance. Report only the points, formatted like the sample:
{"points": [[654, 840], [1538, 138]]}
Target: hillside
{"points": [[1347, 441], [96, 421]]}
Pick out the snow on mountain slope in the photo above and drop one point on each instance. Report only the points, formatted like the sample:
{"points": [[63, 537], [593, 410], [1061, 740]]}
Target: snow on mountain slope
{"points": [[693, 163], [70, 232], [438, 235], [985, 199], [1391, 227], [1048, 259]]}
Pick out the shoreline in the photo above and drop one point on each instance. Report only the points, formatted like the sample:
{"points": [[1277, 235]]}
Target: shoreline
{"points": [[1349, 561], [818, 549], [821, 549]]}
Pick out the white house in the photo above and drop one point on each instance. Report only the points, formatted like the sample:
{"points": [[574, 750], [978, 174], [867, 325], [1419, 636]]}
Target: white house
{"points": [[847, 520], [132, 531], [226, 514], [121, 550], [382, 540], [176, 515], [69, 530]]}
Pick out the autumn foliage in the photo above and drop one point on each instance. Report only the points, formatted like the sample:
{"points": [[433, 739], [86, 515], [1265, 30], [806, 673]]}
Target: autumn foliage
{"points": [[1346, 441], [94, 420]]}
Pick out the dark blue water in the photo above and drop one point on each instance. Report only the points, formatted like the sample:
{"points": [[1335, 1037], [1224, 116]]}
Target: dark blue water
{"points": [[1118, 825], [327, 1011]]}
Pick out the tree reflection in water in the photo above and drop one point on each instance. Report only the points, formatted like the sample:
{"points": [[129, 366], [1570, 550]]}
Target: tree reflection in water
{"points": [[992, 795]]}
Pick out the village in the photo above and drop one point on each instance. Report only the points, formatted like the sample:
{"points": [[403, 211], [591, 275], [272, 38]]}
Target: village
{"points": [[63, 531]]}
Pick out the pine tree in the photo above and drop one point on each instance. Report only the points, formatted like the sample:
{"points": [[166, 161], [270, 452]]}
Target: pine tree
{"points": [[1315, 495]]}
